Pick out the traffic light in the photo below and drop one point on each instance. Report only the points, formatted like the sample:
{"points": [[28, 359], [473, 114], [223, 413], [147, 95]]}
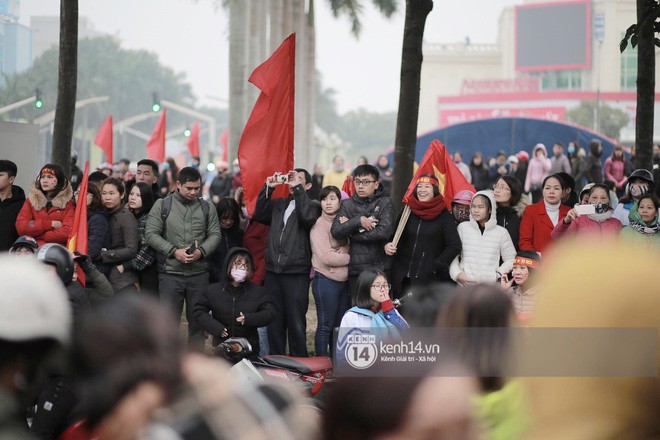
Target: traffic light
{"points": [[186, 132], [155, 106], [38, 102]]}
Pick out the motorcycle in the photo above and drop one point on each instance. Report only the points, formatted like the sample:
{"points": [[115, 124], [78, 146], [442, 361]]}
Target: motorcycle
{"points": [[310, 373]]}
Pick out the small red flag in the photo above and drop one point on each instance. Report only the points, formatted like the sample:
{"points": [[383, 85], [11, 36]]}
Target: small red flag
{"points": [[349, 186], [104, 138], [156, 143], [437, 161], [193, 141], [266, 145], [78, 237], [224, 141]]}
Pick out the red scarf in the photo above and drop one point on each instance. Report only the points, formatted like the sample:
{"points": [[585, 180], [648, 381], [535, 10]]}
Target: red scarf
{"points": [[427, 210]]}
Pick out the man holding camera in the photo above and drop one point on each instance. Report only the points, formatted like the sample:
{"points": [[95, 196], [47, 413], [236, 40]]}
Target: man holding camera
{"points": [[288, 257], [183, 231]]}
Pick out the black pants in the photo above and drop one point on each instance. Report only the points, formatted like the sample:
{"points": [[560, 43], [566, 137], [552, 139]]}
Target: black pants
{"points": [[289, 293], [54, 413], [174, 290]]}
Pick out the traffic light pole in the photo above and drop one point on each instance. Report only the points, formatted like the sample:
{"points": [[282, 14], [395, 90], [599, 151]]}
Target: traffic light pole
{"points": [[18, 104], [210, 120]]}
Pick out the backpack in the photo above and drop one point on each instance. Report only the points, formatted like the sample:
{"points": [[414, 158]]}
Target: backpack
{"points": [[167, 206]]}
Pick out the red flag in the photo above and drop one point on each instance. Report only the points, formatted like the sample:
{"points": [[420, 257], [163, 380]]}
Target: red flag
{"points": [[437, 161], [78, 237], [156, 143], [104, 138], [193, 141], [348, 187], [266, 145], [224, 141]]}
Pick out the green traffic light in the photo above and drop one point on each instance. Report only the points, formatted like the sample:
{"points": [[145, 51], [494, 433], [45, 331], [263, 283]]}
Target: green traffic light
{"points": [[155, 107], [186, 132], [38, 103]]}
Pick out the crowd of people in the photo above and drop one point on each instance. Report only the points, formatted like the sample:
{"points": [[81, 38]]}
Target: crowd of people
{"points": [[158, 233]]}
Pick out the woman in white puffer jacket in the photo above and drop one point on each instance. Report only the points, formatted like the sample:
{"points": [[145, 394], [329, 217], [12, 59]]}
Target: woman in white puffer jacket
{"points": [[484, 243]]}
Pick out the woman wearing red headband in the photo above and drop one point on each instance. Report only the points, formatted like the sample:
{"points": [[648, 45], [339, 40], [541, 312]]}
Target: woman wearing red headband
{"points": [[47, 214], [429, 241], [519, 283]]}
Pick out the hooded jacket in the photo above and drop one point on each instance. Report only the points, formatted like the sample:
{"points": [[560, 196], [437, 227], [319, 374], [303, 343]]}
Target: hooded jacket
{"points": [[37, 215], [367, 247], [481, 252], [9, 209], [288, 249], [537, 169], [226, 302], [632, 236]]}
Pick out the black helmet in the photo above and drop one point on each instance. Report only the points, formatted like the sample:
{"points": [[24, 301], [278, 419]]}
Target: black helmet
{"points": [[58, 256], [643, 174]]}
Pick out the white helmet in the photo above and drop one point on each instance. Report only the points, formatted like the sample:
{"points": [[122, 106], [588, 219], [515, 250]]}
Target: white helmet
{"points": [[33, 302]]}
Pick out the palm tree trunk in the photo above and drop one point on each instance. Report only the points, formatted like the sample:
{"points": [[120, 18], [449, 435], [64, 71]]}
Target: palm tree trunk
{"points": [[238, 71], [406, 123], [65, 109], [645, 86]]}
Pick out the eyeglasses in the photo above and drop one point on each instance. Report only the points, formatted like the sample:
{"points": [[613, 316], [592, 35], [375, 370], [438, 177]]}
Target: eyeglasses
{"points": [[382, 287], [359, 182], [502, 187]]}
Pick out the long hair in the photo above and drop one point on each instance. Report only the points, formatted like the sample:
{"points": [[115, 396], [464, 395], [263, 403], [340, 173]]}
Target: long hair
{"points": [[147, 196], [228, 208], [58, 171], [97, 203], [361, 296], [516, 189]]}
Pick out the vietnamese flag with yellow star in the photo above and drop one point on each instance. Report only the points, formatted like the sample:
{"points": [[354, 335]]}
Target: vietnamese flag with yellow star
{"points": [[437, 161]]}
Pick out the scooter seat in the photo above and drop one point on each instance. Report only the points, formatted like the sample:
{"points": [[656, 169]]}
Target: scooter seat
{"points": [[303, 365]]}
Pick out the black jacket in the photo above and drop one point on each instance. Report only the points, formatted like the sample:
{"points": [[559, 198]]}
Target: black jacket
{"points": [[98, 232], [367, 248], [508, 218], [231, 238], [9, 209], [227, 302], [480, 177], [425, 251], [288, 249]]}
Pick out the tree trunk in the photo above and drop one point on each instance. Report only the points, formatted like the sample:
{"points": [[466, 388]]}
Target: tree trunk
{"points": [[65, 109], [645, 86], [406, 123], [238, 72], [300, 149], [310, 86]]}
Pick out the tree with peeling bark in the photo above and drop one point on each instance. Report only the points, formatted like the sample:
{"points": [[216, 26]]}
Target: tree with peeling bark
{"points": [[406, 123], [642, 36], [65, 109]]}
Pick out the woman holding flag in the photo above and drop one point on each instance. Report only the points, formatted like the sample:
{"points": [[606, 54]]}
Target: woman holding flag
{"points": [[429, 241]]}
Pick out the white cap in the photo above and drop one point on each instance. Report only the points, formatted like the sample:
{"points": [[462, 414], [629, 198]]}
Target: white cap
{"points": [[33, 302]]}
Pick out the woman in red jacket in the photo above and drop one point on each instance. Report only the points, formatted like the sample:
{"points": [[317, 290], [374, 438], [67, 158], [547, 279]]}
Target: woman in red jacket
{"points": [[540, 219], [47, 214]]}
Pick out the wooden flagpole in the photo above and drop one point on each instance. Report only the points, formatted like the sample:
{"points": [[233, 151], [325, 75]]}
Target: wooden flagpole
{"points": [[402, 224]]}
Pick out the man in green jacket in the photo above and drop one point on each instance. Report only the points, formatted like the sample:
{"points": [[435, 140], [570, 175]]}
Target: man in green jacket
{"points": [[183, 231]]}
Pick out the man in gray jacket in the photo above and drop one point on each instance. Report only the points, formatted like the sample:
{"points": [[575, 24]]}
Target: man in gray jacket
{"points": [[183, 231]]}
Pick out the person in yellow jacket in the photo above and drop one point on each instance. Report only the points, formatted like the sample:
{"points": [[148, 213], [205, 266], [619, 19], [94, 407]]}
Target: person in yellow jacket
{"points": [[336, 175]]}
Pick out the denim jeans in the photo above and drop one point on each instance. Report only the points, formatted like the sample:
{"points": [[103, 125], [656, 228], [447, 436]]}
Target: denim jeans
{"points": [[332, 301]]}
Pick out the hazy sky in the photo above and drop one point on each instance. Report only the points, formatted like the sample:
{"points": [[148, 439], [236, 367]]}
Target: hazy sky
{"points": [[191, 36]]}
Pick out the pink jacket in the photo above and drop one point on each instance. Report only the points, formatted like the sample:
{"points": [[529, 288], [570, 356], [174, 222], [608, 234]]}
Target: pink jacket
{"points": [[538, 169], [584, 225], [615, 171], [329, 256]]}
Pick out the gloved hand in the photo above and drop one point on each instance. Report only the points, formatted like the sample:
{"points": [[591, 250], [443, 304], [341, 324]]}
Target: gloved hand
{"points": [[84, 262]]}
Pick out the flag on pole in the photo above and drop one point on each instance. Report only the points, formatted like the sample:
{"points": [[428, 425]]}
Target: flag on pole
{"points": [[437, 161], [103, 139], [348, 187], [193, 141], [156, 143], [266, 145], [78, 237]]}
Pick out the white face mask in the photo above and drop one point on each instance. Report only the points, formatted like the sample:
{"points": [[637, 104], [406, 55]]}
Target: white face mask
{"points": [[239, 275]]}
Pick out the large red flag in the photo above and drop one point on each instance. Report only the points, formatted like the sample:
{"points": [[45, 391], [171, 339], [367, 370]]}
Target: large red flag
{"points": [[193, 141], [437, 161], [104, 138], [266, 145], [78, 237], [348, 187], [156, 143]]}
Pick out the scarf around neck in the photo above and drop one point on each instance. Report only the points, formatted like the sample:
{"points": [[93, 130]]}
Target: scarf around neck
{"points": [[600, 218], [643, 229], [427, 210]]}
